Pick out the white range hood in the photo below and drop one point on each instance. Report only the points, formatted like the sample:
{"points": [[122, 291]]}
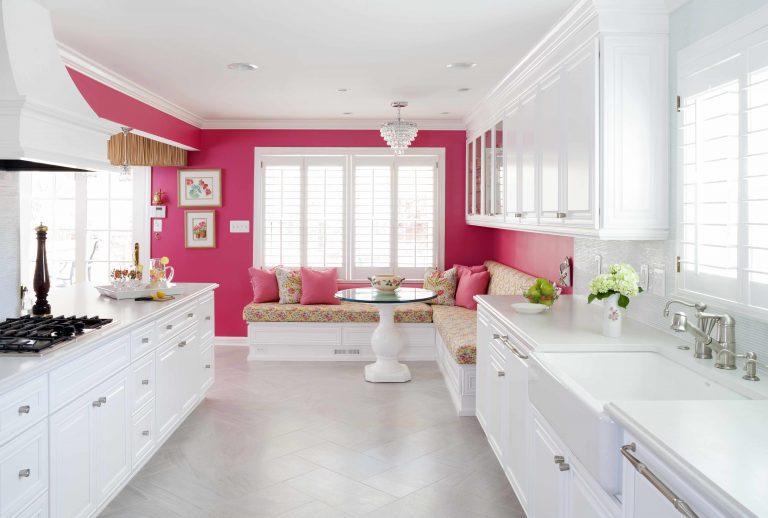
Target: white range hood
{"points": [[43, 117]]}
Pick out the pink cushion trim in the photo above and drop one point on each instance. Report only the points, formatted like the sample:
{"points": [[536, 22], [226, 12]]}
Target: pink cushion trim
{"points": [[318, 287], [471, 284], [264, 283]]}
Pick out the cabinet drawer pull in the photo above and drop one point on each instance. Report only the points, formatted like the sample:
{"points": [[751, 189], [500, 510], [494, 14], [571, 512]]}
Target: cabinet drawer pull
{"points": [[24, 409], [183, 343], [682, 507], [505, 340], [25, 473], [100, 401], [561, 215], [564, 467], [145, 340], [559, 459], [207, 365], [96, 403], [208, 317], [145, 382], [145, 433], [169, 327], [500, 374], [190, 315]]}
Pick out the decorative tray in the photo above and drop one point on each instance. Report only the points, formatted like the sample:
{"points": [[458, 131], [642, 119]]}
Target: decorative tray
{"points": [[113, 293]]}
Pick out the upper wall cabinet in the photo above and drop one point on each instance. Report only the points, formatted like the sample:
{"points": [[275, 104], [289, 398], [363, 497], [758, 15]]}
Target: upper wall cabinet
{"points": [[582, 146]]}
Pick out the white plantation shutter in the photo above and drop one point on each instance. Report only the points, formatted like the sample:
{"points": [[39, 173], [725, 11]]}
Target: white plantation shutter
{"points": [[372, 203], [415, 218], [723, 141], [325, 214], [282, 212]]}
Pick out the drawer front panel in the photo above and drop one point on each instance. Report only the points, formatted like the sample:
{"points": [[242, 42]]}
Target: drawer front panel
{"points": [[206, 316], [71, 380], [142, 341], [22, 407], [142, 382], [38, 509], [143, 436], [175, 322], [23, 469]]}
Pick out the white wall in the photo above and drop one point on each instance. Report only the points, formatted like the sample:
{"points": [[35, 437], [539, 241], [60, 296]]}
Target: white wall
{"points": [[9, 244], [691, 22]]}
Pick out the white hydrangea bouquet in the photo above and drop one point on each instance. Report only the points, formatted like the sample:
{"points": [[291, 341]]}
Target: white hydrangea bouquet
{"points": [[614, 289]]}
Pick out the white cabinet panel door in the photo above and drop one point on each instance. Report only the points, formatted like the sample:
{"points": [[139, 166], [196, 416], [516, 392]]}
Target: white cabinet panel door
{"points": [[547, 481], [527, 161], [72, 443], [515, 441], [512, 163], [112, 453], [549, 140], [189, 373], [167, 399], [582, 501]]}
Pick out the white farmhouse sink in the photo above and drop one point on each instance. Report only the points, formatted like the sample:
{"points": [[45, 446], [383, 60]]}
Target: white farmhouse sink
{"points": [[570, 390]]}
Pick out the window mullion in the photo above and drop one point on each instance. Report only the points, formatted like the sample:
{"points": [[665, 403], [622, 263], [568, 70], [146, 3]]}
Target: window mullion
{"points": [[81, 219], [742, 238], [303, 213], [393, 246]]}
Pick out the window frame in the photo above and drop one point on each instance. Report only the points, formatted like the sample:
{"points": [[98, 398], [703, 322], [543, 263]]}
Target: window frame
{"points": [[707, 52], [348, 273]]}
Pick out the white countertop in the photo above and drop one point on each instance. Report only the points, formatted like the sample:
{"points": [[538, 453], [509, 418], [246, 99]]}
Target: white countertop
{"points": [[720, 447], [80, 300]]}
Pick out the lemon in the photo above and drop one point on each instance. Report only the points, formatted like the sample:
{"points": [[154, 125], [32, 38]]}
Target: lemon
{"points": [[160, 294]]}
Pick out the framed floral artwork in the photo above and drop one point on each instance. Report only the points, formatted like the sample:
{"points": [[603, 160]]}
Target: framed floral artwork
{"points": [[200, 228], [199, 187]]}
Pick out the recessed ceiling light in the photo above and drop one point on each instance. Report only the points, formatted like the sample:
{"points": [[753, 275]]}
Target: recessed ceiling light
{"points": [[242, 66], [461, 64], [463, 89], [347, 113], [445, 113], [342, 90]]}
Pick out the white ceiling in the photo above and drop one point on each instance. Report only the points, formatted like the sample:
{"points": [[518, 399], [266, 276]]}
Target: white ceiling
{"points": [[381, 50]]}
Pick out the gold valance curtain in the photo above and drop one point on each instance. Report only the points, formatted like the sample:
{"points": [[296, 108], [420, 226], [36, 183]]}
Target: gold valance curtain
{"points": [[131, 149]]}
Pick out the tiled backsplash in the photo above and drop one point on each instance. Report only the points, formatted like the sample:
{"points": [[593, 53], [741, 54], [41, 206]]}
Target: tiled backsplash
{"points": [[9, 244], [751, 334]]}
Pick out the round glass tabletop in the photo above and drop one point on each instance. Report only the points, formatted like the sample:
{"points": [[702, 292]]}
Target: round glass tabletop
{"points": [[372, 295]]}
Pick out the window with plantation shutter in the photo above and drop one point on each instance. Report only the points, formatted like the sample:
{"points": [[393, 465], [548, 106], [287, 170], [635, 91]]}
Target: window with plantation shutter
{"points": [[723, 164], [357, 210]]}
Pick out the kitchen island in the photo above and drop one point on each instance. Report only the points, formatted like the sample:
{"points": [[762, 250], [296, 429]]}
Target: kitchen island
{"points": [[78, 422]]}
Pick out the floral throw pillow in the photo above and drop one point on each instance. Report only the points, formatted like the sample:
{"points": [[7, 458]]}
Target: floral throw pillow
{"points": [[289, 285], [444, 283]]}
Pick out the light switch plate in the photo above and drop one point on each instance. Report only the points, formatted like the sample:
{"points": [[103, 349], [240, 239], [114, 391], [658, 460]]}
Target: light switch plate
{"points": [[157, 225], [644, 277], [597, 267], [239, 226], [658, 282], [157, 211]]}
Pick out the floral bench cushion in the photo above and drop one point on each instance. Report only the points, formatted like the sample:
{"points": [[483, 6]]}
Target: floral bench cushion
{"points": [[458, 329], [346, 312], [506, 280]]}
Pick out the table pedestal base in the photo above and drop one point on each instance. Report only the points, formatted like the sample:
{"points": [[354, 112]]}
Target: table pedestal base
{"points": [[386, 343]]}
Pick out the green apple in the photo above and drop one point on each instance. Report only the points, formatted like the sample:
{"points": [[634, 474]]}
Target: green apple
{"points": [[547, 289]]}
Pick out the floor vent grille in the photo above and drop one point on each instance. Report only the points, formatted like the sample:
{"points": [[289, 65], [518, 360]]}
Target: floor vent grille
{"points": [[346, 351]]}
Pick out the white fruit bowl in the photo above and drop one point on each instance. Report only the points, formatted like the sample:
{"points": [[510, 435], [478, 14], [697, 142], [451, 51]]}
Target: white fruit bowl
{"points": [[527, 308]]}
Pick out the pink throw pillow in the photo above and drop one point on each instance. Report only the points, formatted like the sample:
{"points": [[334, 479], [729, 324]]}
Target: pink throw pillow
{"points": [[264, 283], [473, 269], [471, 284], [318, 287]]}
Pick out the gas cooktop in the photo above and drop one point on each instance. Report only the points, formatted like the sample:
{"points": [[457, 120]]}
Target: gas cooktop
{"points": [[37, 335]]}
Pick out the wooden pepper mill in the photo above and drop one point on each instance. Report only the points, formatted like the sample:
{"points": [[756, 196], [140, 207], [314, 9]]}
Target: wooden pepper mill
{"points": [[41, 282]]}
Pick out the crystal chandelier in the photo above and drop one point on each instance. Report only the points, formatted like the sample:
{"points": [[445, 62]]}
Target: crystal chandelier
{"points": [[399, 134]]}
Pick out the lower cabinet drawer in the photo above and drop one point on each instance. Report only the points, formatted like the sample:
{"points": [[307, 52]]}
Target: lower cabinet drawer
{"points": [[23, 469], [172, 324], [206, 359], [143, 436], [38, 509], [22, 407], [206, 316], [142, 382]]}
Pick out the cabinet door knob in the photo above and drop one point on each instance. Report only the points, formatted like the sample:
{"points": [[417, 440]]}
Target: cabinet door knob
{"points": [[208, 317], [25, 473], [559, 459], [145, 340], [564, 467], [96, 403], [500, 374], [169, 327], [190, 315], [145, 433], [183, 343], [207, 365], [24, 409], [561, 215], [145, 382]]}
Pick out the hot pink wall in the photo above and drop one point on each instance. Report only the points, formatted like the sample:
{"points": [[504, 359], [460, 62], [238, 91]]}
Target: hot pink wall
{"points": [[117, 107], [233, 152], [535, 254]]}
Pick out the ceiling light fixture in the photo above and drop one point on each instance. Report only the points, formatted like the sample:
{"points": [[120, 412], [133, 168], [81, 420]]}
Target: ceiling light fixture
{"points": [[399, 133], [342, 90], [445, 113], [242, 67], [463, 89], [347, 113], [461, 64]]}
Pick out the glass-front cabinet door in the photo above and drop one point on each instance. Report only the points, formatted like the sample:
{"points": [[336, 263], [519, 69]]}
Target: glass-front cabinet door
{"points": [[488, 171], [527, 164], [478, 178], [470, 178], [498, 170], [549, 148], [512, 164]]}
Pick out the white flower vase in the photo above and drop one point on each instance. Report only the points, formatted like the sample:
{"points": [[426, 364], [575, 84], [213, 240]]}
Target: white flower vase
{"points": [[612, 316]]}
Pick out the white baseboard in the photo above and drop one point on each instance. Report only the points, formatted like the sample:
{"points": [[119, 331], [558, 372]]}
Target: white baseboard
{"points": [[236, 341]]}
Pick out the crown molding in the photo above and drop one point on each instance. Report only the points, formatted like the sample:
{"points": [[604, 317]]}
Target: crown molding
{"points": [[673, 5], [328, 124], [102, 74]]}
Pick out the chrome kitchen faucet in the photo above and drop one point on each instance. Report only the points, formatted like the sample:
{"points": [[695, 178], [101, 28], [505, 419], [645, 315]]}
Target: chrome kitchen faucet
{"points": [[724, 341]]}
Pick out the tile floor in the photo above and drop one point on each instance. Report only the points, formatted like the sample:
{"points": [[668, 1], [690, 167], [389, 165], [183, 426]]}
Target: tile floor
{"points": [[315, 440]]}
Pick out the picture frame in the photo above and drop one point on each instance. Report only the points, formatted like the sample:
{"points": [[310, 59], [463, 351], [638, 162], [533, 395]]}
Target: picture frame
{"points": [[199, 229], [199, 188]]}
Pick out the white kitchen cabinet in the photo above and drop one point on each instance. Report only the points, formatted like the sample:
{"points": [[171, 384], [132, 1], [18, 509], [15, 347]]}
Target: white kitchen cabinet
{"points": [[207, 367], [167, 400], [515, 441], [190, 372], [112, 449], [548, 481], [587, 115], [23, 469]]}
